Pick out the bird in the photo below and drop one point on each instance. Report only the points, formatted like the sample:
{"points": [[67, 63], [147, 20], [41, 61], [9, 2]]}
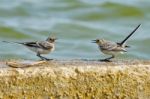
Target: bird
{"points": [[39, 47], [113, 48]]}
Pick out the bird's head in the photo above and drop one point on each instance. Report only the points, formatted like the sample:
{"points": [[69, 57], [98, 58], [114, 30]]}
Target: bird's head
{"points": [[99, 41], [51, 39]]}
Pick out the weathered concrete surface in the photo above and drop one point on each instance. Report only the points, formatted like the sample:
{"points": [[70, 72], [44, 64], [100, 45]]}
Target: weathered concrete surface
{"points": [[76, 79]]}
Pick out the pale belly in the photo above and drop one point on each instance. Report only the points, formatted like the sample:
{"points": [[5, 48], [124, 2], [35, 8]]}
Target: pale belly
{"points": [[39, 50], [112, 52]]}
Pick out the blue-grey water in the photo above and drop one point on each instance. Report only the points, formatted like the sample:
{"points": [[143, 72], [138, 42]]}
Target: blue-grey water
{"points": [[75, 23]]}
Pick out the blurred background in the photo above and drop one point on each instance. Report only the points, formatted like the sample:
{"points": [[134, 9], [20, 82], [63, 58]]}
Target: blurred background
{"points": [[75, 23]]}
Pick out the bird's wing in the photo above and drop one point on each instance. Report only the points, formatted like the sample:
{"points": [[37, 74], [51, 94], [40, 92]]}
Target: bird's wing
{"points": [[108, 46], [45, 45], [30, 44], [112, 46]]}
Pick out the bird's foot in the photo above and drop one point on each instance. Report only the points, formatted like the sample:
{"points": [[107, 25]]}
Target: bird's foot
{"points": [[45, 59], [105, 60]]}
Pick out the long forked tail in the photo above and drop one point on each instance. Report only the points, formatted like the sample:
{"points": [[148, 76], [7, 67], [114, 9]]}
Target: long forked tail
{"points": [[122, 43]]}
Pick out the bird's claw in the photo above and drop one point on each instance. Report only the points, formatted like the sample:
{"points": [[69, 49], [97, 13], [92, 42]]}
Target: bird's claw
{"points": [[105, 60], [46, 59]]}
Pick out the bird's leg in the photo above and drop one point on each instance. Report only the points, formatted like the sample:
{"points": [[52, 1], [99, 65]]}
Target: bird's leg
{"points": [[108, 59], [42, 58]]}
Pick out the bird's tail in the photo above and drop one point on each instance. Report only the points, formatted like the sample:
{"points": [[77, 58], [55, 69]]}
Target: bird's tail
{"points": [[123, 42], [12, 42]]}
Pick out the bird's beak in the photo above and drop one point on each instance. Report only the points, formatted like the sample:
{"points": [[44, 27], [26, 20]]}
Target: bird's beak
{"points": [[93, 41], [127, 46], [56, 39]]}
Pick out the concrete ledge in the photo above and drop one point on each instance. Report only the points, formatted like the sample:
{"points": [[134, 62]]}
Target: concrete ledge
{"points": [[76, 79]]}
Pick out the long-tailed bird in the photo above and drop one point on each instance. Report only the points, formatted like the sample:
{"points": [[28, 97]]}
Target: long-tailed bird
{"points": [[113, 48], [39, 47]]}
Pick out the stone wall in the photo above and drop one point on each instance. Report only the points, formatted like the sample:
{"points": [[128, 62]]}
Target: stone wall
{"points": [[76, 79]]}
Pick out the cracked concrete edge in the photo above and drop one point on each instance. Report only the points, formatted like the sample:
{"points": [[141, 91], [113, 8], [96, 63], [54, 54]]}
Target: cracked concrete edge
{"points": [[77, 79]]}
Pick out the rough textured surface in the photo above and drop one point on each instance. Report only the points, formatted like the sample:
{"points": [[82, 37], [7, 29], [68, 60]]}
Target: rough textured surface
{"points": [[77, 79]]}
